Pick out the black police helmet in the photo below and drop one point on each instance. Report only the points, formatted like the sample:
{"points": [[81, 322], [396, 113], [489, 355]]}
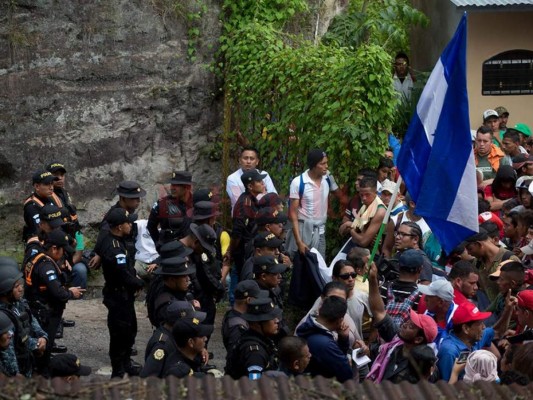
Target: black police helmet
{"points": [[9, 275], [4, 260]]}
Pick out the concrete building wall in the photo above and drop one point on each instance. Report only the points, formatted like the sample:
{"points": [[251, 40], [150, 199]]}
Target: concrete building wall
{"points": [[428, 43], [491, 33]]}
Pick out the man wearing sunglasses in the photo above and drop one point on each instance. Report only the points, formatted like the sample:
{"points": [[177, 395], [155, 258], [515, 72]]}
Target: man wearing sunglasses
{"points": [[408, 236]]}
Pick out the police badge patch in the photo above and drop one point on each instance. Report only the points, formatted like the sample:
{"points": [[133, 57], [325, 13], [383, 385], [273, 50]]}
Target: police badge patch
{"points": [[159, 354]]}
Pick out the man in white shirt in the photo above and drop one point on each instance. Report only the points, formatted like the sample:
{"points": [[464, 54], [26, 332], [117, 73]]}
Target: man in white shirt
{"points": [[308, 211], [146, 254], [402, 79], [248, 160]]}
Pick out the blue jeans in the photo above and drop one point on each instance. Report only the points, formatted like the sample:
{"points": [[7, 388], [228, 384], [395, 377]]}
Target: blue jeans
{"points": [[79, 275]]}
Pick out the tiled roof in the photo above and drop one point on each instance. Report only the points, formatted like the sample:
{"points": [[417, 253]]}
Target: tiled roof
{"points": [[301, 388], [487, 3]]}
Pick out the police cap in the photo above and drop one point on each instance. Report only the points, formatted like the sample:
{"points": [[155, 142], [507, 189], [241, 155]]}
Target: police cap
{"points": [[261, 309], [58, 238], [52, 214], [268, 264], [173, 249], [206, 235], [130, 190], [187, 328], [249, 288], [175, 266], [267, 239], [45, 177], [183, 309], [203, 210], [181, 178], [55, 166], [118, 216], [252, 175]]}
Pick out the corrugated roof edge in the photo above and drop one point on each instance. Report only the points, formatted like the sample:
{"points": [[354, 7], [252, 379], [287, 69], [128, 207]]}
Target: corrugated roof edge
{"points": [[209, 388], [491, 4]]}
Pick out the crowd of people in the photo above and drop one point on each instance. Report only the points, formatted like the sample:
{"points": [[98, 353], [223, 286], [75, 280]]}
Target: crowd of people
{"points": [[414, 313]]}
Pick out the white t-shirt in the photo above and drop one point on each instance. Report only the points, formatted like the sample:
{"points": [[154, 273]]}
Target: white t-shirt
{"points": [[424, 227], [404, 88], [144, 244], [314, 201]]}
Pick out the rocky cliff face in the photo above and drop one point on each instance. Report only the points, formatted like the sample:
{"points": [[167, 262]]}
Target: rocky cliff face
{"points": [[107, 88]]}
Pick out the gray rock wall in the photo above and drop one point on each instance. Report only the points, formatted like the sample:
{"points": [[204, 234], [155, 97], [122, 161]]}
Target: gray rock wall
{"points": [[106, 88]]}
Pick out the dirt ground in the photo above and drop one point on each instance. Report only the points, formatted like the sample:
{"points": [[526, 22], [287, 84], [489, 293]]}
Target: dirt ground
{"points": [[89, 339]]}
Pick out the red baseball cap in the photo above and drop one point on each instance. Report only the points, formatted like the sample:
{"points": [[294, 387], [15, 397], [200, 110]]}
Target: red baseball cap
{"points": [[426, 323], [525, 299], [489, 216], [468, 312]]}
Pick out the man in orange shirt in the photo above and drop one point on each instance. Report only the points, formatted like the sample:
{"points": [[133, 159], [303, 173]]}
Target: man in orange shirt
{"points": [[487, 155]]}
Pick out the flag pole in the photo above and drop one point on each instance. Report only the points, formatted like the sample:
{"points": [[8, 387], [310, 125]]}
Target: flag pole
{"points": [[383, 226]]}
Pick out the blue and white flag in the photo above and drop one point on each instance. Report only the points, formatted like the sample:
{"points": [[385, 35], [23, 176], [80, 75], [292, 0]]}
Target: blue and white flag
{"points": [[436, 160]]}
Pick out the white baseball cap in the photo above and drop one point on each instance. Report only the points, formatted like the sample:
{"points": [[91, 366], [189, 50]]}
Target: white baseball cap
{"points": [[489, 113]]}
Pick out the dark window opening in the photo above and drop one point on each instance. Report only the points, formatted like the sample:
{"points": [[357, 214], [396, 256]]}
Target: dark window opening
{"points": [[508, 73]]}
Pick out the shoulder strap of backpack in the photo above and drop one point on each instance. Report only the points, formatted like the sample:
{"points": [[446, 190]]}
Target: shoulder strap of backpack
{"points": [[398, 221], [301, 188]]}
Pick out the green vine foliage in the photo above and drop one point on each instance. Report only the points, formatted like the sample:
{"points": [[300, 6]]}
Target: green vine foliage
{"points": [[383, 22], [276, 12], [286, 95], [289, 95]]}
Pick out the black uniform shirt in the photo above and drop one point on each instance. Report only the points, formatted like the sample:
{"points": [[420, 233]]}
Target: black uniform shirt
{"points": [[129, 240], [47, 275], [32, 208], [160, 353], [254, 355], [162, 212], [233, 327], [118, 273]]}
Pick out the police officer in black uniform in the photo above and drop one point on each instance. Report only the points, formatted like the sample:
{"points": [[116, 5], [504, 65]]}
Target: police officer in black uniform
{"points": [[172, 280], [71, 224], [161, 350], [244, 214], [206, 212], [129, 198], [267, 274], [59, 171], [28, 335], [190, 336], [255, 352], [45, 288], [5, 341], [233, 324], [43, 194], [170, 212], [265, 244], [176, 277], [121, 286], [49, 219], [207, 287]]}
